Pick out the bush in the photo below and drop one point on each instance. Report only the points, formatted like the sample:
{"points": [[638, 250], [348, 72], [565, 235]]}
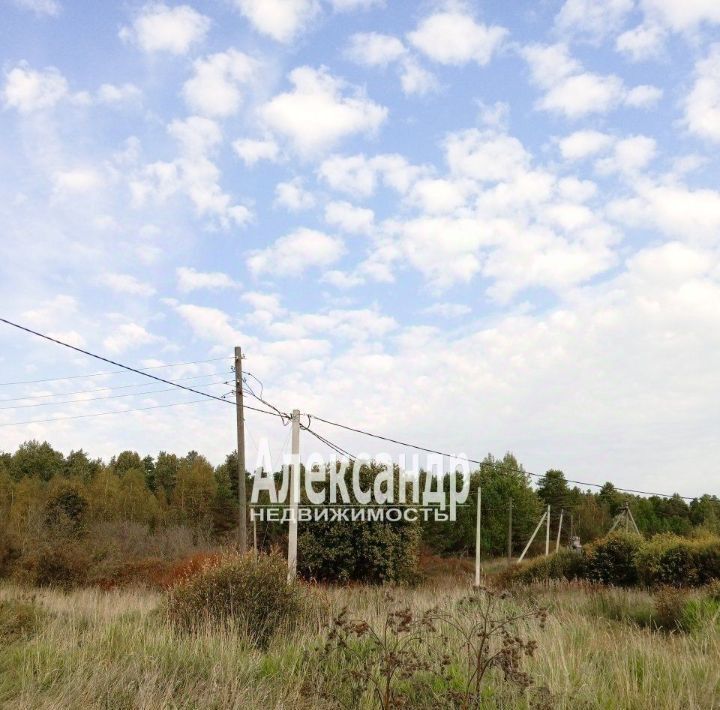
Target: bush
{"points": [[611, 560], [18, 620], [560, 565], [669, 560], [61, 565], [241, 591]]}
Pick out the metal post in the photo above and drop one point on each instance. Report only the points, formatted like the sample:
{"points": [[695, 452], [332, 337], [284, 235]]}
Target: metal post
{"points": [[240, 421], [294, 495], [477, 537]]}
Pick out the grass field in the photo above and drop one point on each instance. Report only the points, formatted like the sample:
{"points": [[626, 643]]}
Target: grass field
{"points": [[98, 649]]}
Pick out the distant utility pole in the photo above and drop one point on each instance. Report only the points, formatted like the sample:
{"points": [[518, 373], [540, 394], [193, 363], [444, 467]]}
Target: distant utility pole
{"points": [[294, 495], [547, 534], [240, 418], [557, 542], [477, 537], [510, 532]]}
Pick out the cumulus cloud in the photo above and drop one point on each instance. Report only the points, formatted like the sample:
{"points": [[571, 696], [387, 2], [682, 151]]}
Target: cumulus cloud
{"points": [[573, 92], [320, 110], [581, 144], [641, 43], [592, 19], [253, 150], [454, 37], [358, 175], [160, 28], [292, 254], [280, 19], [214, 89], [127, 336], [702, 105], [349, 218], [42, 8], [189, 279], [293, 196], [29, 90], [127, 283]]}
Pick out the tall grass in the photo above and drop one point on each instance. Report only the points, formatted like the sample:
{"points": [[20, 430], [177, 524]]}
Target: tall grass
{"points": [[97, 649]]}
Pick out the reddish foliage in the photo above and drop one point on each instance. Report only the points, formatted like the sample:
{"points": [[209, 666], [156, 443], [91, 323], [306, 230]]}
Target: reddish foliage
{"points": [[189, 567]]}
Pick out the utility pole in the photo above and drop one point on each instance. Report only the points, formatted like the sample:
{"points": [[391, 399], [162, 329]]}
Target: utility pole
{"points": [[557, 542], [509, 540], [547, 534], [294, 496], [240, 418], [477, 537]]}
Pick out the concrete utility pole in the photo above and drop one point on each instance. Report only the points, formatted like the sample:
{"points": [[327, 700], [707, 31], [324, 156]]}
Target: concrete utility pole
{"points": [[477, 537], [510, 531], [294, 495], [547, 534], [240, 417], [557, 542], [532, 537]]}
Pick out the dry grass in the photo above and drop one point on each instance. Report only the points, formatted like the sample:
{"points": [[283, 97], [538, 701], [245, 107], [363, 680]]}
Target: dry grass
{"points": [[113, 649]]}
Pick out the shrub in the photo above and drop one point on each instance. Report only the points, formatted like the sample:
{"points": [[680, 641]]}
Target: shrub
{"points": [[670, 605], [18, 620], [560, 565], [241, 591], [611, 560], [147, 572], [679, 562], [61, 565]]}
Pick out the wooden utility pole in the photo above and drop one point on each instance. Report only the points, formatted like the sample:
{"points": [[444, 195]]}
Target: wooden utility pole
{"points": [[509, 537], [294, 496], [240, 418], [557, 542], [477, 537], [547, 534]]}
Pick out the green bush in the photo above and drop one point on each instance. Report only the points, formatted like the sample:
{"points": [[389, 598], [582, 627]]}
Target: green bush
{"points": [[669, 560], [240, 591], [611, 560], [18, 620], [560, 565]]}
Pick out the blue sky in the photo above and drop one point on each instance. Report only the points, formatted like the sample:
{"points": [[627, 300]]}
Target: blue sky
{"points": [[480, 226]]}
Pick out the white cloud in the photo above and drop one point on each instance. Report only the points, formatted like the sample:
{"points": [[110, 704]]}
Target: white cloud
{"points": [[643, 96], [214, 88], [320, 110], [416, 79], [254, 150], [76, 181], [372, 49], [453, 37], [349, 218], [641, 42], [188, 279], [127, 336], [629, 156], [575, 93], [292, 254], [447, 310], [593, 19], [118, 94], [196, 135], [48, 8], [582, 144], [682, 15], [127, 283], [293, 196], [280, 19], [702, 105], [159, 28], [437, 195], [358, 175], [485, 155], [352, 5], [29, 90]]}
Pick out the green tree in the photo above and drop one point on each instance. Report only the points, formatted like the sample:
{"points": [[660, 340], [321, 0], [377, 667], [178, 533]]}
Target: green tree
{"points": [[195, 490], [33, 459], [125, 461], [149, 467], [166, 472], [78, 464], [136, 500]]}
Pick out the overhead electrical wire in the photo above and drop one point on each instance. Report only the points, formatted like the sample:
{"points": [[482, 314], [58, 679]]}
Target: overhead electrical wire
{"points": [[94, 374]]}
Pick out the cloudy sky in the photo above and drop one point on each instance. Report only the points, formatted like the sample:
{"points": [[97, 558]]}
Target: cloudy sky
{"points": [[481, 227]]}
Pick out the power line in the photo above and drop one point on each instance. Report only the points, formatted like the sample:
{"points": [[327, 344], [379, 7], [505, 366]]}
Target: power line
{"points": [[93, 374], [105, 389], [111, 362], [480, 463], [95, 399]]}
